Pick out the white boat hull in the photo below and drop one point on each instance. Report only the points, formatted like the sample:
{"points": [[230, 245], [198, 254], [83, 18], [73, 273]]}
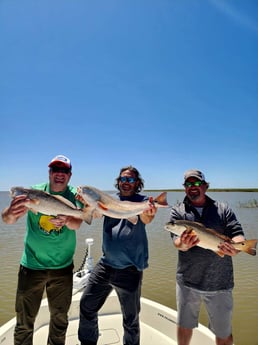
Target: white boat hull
{"points": [[158, 325]]}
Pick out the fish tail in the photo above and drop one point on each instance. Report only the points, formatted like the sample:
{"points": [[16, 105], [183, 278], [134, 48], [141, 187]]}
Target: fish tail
{"points": [[249, 246], [161, 199]]}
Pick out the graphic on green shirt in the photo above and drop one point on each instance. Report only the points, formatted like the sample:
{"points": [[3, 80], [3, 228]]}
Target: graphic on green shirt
{"points": [[46, 225]]}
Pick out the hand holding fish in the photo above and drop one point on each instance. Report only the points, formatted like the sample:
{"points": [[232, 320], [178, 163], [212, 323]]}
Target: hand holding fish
{"points": [[149, 214], [151, 211], [59, 221], [95, 214], [228, 249], [82, 200], [16, 209], [187, 240]]}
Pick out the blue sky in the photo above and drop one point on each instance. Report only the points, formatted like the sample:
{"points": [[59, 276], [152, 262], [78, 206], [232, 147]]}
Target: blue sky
{"points": [[164, 85]]}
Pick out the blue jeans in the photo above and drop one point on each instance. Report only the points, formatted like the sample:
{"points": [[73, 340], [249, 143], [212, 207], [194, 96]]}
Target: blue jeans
{"points": [[127, 284]]}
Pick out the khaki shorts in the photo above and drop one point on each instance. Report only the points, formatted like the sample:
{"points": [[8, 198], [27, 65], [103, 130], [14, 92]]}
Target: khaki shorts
{"points": [[219, 306]]}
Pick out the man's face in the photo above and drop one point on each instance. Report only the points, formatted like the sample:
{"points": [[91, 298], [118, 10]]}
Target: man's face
{"points": [[195, 189], [59, 178], [127, 183]]}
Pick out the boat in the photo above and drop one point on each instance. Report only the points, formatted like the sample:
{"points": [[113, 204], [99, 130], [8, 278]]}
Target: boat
{"points": [[157, 322]]}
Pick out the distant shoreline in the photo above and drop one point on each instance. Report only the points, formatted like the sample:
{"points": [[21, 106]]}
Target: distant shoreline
{"points": [[209, 190], [254, 190]]}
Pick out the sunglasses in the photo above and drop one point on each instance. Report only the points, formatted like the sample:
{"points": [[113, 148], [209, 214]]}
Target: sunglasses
{"points": [[124, 179], [193, 184], [60, 170]]}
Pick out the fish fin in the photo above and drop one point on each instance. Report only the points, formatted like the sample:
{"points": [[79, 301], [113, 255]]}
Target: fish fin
{"points": [[213, 232], [133, 220], [87, 214], [190, 231], [248, 246], [161, 200], [64, 200], [221, 236], [97, 214], [220, 253], [87, 218], [102, 206], [191, 224]]}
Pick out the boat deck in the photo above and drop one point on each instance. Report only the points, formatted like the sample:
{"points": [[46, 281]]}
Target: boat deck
{"points": [[111, 332]]}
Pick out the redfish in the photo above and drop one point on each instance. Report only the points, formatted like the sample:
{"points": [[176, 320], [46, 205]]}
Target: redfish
{"points": [[104, 204], [48, 204], [209, 238]]}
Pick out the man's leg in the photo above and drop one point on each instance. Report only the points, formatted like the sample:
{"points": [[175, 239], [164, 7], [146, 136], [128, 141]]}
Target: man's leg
{"points": [[219, 306], [188, 308], [28, 298], [59, 293], [128, 284], [94, 296], [184, 335]]}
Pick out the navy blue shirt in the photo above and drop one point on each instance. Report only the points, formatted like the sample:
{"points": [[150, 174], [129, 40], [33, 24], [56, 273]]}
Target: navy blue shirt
{"points": [[125, 244]]}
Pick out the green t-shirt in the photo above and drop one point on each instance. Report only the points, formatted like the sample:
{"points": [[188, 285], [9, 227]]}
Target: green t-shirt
{"points": [[47, 247]]}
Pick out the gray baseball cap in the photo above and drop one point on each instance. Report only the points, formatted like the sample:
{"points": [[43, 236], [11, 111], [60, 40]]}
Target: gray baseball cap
{"points": [[194, 173]]}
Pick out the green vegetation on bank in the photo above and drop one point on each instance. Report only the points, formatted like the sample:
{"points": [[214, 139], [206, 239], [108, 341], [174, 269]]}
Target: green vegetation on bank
{"points": [[210, 190]]}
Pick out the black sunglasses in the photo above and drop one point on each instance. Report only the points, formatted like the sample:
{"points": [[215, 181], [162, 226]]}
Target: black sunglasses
{"points": [[124, 179], [60, 170]]}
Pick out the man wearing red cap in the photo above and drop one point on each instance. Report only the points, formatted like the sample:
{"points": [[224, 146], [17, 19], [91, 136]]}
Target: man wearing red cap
{"points": [[47, 260]]}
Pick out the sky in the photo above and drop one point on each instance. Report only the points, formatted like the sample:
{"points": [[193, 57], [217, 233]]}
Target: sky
{"points": [[163, 85]]}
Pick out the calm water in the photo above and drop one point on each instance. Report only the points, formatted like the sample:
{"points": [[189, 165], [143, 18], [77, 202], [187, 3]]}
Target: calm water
{"points": [[159, 278]]}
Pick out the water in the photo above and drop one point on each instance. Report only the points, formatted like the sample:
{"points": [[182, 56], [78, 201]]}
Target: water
{"points": [[159, 278]]}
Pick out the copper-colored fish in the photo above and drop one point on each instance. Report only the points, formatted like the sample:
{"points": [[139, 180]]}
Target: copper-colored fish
{"points": [[104, 204], [49, 204], [209, 239]]}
